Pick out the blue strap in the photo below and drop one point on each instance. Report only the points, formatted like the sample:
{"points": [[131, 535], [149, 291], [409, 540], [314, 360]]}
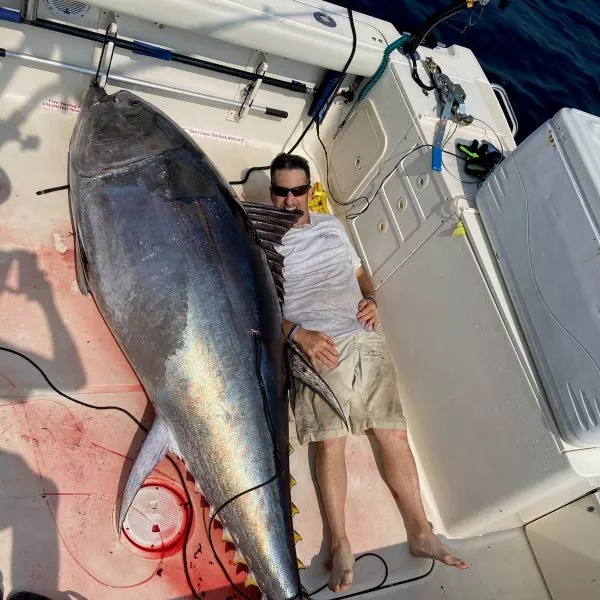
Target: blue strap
{"points": [[436, 159], [148, 50], [10, 14]]}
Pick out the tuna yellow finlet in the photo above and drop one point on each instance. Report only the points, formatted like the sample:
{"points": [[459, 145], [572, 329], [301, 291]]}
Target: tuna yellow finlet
{"points": [[227, 536]]}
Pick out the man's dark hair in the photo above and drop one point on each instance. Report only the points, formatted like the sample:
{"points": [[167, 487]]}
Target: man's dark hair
{"points": [[285, 161]]}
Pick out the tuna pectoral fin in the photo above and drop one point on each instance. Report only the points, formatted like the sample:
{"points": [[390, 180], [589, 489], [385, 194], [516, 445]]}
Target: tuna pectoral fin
{"points": [[80, 258], [155, 447], [80, 262], [302, 370]]}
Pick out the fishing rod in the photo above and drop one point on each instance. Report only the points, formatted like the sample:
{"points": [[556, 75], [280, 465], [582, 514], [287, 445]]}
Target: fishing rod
{"points": [[435, 19]]}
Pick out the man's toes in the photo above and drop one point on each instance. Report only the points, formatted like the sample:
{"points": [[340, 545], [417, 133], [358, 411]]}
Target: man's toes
{"points": [[346, 581], [341, 583], [452, 561], [348, 577]]}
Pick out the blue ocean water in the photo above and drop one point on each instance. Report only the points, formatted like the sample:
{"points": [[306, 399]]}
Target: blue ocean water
{"points": [[546, 53]]}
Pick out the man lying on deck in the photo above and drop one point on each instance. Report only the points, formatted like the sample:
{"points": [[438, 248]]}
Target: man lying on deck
{"points": [[330, 310]]}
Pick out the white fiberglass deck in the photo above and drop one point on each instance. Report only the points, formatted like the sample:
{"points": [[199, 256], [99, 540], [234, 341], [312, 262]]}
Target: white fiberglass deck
{"points": [[61, 464]]}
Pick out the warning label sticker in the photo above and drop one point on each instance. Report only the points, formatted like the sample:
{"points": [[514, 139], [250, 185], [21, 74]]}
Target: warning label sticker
{"points": [[61, 105], [206, 134], [216, 136]]}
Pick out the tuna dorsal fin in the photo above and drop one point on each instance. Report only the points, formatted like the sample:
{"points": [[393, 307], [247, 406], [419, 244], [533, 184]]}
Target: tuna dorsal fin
{"points": [[271, 224], [302, 370], [155, 447]]}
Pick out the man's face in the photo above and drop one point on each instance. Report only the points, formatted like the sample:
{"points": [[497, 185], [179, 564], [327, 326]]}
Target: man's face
{"points": [[289, 179]]}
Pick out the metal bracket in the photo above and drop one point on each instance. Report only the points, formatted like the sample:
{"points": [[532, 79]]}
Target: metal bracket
{"points": [[252, 88], [452, 97], [505, 102], [29, 10], [107, 54]]}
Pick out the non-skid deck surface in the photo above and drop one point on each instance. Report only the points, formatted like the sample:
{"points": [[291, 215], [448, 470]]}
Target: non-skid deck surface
{"points": [[61, 464]]}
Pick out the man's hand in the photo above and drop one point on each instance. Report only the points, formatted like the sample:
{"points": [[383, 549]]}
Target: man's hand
{"points": [[367, 314], [318, 346]]}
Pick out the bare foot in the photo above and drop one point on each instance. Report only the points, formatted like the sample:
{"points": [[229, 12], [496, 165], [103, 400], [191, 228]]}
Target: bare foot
{"points": [[343, 562], [428, 545]]}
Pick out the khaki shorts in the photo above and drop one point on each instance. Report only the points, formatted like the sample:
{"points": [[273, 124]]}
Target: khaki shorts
{"points": [[364, 382]]}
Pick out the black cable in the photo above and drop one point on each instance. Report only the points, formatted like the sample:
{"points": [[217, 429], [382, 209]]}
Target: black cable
{"points": [[380, 585], [248, 173], [362, 591], [416, 77], [365, 208], [80, 402], [337, 85], [58, 188], [370, 200], [410, 48], [340, 202], [104, 45], [315, 117], [417, 38]]}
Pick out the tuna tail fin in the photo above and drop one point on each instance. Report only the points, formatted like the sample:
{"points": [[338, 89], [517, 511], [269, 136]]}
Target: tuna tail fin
{"points": [[302, 370], [155, 447]]}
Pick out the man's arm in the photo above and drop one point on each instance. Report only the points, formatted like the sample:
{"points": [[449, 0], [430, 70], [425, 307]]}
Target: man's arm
{"points": [[367, 313], [364, 281]]}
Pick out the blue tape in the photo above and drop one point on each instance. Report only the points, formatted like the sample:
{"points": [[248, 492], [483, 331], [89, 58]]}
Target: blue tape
{"points": [[323, 100], [10, 14], [436, 159], [148, 50]]}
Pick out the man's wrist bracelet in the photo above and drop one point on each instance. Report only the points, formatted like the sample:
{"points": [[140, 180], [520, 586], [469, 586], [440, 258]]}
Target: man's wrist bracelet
{"points": [[373, 299], [293, 331]]}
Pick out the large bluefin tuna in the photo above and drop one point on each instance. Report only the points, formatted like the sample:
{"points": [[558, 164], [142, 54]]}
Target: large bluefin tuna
{"points": [[188, 281]]}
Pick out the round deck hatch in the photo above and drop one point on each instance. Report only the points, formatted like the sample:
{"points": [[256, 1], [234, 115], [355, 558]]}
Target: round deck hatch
{"points": [[156, 519]]}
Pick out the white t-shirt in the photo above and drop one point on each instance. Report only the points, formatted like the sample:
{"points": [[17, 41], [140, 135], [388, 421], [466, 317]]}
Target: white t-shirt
{"points": [[319, 268]]}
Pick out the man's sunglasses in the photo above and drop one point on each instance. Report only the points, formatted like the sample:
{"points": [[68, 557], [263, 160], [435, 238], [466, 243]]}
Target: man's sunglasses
{"points": [[299, 190]]}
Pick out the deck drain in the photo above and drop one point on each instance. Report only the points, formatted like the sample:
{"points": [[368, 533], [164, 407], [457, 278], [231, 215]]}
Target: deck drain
{"points": [[156, 519], [68, 8]]}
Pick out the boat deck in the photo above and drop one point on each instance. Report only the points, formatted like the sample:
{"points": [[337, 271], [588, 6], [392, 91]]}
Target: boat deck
{"points": [[62, 465]]}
